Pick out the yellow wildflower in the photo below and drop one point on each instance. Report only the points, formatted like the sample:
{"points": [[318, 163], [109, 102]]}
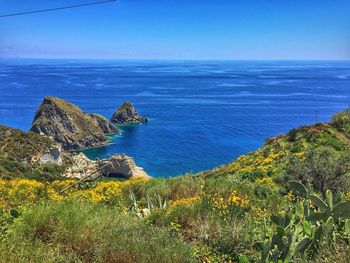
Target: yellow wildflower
{"points": [[300, 155], [184, 201], [266, 181], [290, 196]]}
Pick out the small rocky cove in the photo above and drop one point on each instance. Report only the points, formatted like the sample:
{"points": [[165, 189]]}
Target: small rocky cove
{"points": [[71, 129]]}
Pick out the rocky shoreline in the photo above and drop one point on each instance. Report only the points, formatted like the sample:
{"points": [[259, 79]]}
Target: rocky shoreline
{"points": [[121, 166], [64, 128]]}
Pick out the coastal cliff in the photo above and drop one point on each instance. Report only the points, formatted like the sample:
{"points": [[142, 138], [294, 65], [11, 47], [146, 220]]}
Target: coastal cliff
{"points": [[44, 152], [127, 114], [120, 166], [70, 126], [33, 156]]}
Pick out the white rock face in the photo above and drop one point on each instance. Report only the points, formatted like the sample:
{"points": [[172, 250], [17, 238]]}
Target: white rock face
{"points": [[117, 166], [53, 156], [121, 166], [81, 166]]}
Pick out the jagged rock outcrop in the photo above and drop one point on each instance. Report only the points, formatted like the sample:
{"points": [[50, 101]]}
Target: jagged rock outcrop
{"points": [[106, 126], [126, 114], [81, 166], [121, 166], [117, 166], [70, 126]]}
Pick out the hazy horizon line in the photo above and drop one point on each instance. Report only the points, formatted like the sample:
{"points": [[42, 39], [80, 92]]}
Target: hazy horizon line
{"points": [[180, 59]]}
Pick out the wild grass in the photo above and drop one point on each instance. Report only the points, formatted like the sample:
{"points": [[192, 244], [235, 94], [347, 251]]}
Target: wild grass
{"points": [[76, 232]]}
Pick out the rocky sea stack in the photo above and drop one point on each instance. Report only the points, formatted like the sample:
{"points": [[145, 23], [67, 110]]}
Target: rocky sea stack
{"points": [[70, 126], [126, 114]]}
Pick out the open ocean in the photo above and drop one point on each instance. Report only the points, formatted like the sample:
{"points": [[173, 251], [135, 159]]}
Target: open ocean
{"points": [[202, 113]]}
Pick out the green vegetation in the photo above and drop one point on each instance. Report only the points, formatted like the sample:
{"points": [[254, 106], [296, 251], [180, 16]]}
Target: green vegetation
{"points": [[325, 169], [19, 153], [19, 146], [74, 232], [341, 120], [289, 201], [309, 225]]}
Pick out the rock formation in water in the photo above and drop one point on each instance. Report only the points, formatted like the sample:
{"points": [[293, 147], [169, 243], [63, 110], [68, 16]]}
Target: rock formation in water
{"points": [[70, 126], [126, 114], [106, 126]]}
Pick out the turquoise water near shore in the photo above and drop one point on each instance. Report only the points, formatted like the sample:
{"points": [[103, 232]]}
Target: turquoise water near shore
{"points": [[202, 113]]}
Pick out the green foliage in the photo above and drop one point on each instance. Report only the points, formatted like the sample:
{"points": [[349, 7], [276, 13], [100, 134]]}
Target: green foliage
{"points": [[293, 134], [134, 205], [324, 168], [303, 229], [7, 217], [52, 169], [341, 209], [243, 259], [341, 119], [160, 204], [12, 169], [17, 151], [299, 188], [331, 141], [176, 187], [75, 232], [252, 176], [20, 146], [204, 253]]}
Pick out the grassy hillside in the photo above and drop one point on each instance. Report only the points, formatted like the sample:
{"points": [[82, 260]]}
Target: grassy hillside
{"points": [[18, 146], [272, 157], [19, 153], [245, 211]]}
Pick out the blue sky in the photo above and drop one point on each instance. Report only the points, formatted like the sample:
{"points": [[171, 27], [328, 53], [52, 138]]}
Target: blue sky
{"points": [[182, 29]]}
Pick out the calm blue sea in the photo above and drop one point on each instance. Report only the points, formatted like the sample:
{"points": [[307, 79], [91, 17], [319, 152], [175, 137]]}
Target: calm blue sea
{"points": [[202, 113]]}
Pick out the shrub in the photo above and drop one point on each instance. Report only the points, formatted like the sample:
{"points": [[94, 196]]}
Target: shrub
{"points": [[295, 148], [341, 119], [324, 168], [330, 141], [252, 175], [175, 188]]}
